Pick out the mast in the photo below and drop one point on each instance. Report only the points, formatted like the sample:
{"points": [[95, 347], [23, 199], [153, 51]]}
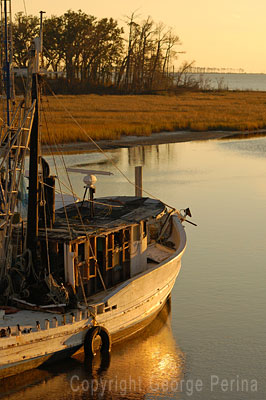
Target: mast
{"points": [[33, 217], [32, 225]]}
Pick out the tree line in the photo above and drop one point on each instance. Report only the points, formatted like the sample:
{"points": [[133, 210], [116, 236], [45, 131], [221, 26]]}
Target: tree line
{"points": [[86, 54]]}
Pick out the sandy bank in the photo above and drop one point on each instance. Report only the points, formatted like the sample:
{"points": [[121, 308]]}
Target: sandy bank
{"points": [[153, 139]]}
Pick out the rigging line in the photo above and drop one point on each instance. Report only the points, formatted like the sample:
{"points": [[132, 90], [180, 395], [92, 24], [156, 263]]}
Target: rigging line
{"points": [[100, 149], [78, 210], [69, 190], [24, 2], [23, 82], [60, 153], [59, 180], [84, 227], [75, 195], [82, 288], [63, 184], [70, 183], [68, 224], [63, 160], [58, 191]]}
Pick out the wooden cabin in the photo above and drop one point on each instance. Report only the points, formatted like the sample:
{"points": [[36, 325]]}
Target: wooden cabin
{"points": [[94, 253]]}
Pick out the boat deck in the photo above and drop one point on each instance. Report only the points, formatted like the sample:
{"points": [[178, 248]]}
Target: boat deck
{"points": [[26, 319], [156, 253]]}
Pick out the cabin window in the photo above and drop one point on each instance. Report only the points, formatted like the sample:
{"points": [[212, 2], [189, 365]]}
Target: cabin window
{"points": [[110, 260], [144, 229], [117, 239], [110, 241], [81, 252], [118, 247], [136, 233], [84, 272], [86, 262], [110, 250], [93, 245], [100, 244], [92, 268], [127, 235], [116, 258]]}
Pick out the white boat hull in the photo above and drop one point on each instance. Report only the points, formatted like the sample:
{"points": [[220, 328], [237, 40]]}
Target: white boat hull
{"points": [[124, 311]]}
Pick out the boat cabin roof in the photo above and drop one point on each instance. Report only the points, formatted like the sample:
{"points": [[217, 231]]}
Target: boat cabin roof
{"points": [[110, 214]]}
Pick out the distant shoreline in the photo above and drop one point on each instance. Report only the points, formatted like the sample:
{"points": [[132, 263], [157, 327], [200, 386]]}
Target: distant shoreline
{"points": [[153, 139]]}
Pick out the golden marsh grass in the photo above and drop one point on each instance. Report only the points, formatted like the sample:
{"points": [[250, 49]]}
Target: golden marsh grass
{"points": [[109, 117]]}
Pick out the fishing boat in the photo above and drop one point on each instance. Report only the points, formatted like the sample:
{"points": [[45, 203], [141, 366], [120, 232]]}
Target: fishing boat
{"points": [[82, 276]]}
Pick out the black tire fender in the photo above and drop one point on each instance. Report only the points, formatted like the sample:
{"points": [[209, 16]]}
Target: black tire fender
{"points": [[89, 349]]}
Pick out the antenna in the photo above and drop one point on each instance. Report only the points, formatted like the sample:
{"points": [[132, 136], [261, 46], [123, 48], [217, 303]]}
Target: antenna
{"points": [[6, 53], [90, 181], [41, 35], [38, 44]]}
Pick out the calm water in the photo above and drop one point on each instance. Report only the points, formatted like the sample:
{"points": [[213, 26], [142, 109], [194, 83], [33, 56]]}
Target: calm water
{"points": [[232, 81], [212, 344]]}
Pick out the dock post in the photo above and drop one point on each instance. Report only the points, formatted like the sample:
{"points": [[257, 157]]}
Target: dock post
{"points": [[138, 181]]}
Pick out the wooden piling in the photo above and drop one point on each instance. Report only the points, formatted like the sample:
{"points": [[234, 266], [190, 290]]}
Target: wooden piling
{"points": [[138, 181]]}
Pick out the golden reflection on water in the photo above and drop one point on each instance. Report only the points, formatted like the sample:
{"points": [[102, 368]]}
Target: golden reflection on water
{"points": [[150, 363]]}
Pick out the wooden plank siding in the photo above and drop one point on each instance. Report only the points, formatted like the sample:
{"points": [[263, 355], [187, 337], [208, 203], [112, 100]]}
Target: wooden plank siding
{"points": [[108, 255]]}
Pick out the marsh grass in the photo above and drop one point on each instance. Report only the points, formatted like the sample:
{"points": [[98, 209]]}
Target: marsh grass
{"points": [[110, 117]]}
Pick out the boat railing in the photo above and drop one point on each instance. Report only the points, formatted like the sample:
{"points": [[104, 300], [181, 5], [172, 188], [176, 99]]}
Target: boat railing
{"points": [[77, 318]]}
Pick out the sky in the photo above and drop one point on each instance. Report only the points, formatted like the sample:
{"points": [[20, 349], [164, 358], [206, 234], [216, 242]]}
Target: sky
{"points": [[214, 33]]}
